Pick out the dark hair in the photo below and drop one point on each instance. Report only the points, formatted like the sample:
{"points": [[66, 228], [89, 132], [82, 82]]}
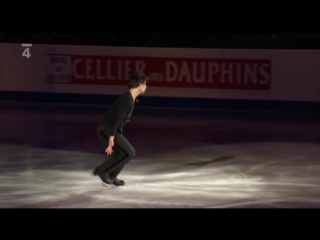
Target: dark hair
{"points": [[136, 79]]}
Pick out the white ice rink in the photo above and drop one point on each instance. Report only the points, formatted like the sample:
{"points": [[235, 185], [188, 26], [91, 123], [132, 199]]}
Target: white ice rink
{"points": [[248, 175]]}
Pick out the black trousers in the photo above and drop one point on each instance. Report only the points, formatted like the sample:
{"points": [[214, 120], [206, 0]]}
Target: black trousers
{"points": [[123, 152]]}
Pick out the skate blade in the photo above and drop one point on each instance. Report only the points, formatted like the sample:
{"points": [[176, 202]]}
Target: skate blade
{"points": [[95, 176], [106, 185]]}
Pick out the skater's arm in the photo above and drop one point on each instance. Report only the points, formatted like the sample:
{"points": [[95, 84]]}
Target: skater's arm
{"points": [[111, 141], [122, 108], [111, 138]]}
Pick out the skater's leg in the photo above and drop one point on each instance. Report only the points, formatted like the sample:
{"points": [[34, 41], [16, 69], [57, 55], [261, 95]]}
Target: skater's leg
{"points": [[116, 172], [118, 153], [99, 171], [125, 152]]}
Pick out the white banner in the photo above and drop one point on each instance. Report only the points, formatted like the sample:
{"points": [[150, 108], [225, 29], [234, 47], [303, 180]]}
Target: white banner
{"points": [[288, 75]]}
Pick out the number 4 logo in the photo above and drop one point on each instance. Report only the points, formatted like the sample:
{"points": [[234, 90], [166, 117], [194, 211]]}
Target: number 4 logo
{"points": [[26, 52]]}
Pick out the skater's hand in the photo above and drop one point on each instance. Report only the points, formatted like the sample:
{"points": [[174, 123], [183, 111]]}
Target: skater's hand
{"points": [[108, 150]]}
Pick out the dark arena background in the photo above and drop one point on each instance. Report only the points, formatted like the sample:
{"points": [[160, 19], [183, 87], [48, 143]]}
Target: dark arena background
{"points": [[229, 120]]}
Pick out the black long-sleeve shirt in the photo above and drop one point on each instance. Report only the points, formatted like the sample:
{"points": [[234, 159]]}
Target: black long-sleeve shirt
{"points": [[119, 113]]}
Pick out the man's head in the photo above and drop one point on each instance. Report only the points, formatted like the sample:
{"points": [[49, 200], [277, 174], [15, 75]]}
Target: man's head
{"points": [[138, 81]]}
